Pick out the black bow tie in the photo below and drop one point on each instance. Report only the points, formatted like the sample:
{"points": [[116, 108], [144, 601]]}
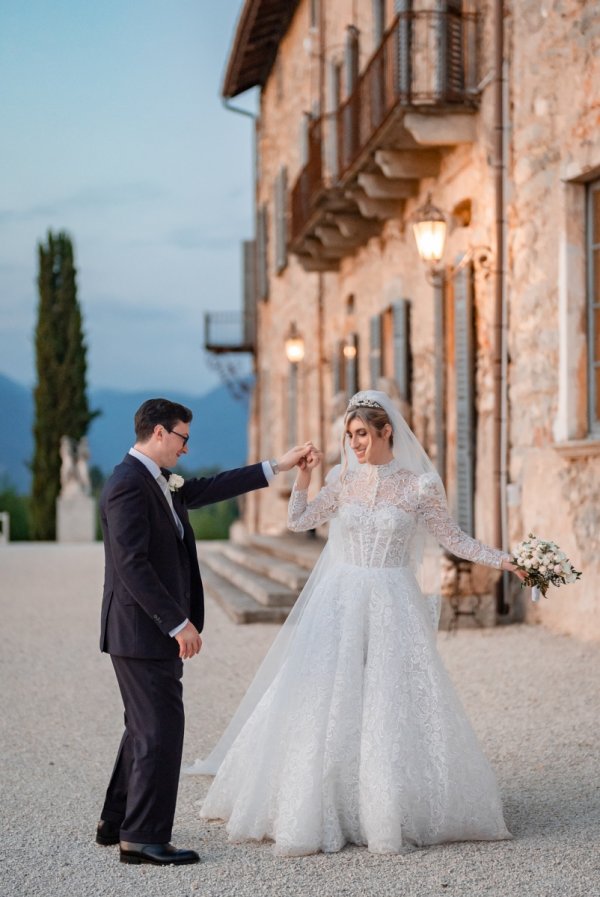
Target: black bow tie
{"points": [[165, 472]]}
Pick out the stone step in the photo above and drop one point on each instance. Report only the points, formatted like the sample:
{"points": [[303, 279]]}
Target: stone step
{"points": [[288, 573], [239, 607], [261, 588], [301, 551]]}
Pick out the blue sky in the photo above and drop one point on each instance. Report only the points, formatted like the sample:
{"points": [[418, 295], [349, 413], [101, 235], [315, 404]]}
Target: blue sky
{"points": [[112, 128]]}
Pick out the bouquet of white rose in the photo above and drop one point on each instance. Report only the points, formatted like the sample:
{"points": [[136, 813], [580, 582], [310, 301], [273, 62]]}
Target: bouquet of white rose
{"points": [[544, 564]]}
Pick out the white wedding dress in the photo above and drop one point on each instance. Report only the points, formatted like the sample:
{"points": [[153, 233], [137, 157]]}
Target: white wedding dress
{"points": [[360, 737]]}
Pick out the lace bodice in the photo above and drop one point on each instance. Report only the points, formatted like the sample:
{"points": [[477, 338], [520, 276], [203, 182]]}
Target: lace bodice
{"points": [[379, 508]]}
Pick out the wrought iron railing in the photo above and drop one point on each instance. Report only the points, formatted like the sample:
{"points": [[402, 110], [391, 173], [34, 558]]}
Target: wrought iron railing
{"points": [[229, 331], [426, 58]]}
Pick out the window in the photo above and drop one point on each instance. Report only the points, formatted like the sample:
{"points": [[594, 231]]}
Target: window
{"points": [[593, 294]]}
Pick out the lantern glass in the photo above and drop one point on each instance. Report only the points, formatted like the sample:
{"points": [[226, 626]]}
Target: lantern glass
{"points": [[431, 239], [294, 346]]}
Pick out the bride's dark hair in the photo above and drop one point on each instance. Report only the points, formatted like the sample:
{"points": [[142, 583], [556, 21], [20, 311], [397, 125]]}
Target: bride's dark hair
{"points": [[372, 417]]}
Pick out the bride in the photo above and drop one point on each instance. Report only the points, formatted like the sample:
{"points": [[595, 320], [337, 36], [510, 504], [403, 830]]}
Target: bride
{"points": [[351, 731]]}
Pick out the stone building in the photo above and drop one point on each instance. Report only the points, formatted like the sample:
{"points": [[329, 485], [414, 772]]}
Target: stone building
{"points": [[490, 112]]}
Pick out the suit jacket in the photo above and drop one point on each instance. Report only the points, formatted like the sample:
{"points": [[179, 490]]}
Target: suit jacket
{"points": [[152, 579]]}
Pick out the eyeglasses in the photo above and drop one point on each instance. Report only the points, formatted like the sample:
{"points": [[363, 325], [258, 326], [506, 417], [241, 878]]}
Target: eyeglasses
{"points": [[181, 436]]}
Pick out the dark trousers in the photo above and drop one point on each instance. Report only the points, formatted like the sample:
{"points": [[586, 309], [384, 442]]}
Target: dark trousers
{"points": [[142, 792]]}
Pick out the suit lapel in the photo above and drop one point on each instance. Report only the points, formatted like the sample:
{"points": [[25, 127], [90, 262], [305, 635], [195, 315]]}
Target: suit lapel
{"points": [[155, 486]]}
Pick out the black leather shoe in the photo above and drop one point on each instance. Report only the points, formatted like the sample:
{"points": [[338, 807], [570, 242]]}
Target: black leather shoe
{"points": [[107, 833], [156, 854]]}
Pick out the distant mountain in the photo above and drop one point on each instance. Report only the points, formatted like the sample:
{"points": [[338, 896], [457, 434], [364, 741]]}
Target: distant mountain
{"points": [[218, 436]]}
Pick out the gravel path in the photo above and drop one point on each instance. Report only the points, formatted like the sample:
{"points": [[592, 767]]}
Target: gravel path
{"points": [[533, 698]]}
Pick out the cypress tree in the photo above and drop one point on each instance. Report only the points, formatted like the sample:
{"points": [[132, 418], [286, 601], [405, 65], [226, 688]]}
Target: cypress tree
{"points": [[61, 405]]}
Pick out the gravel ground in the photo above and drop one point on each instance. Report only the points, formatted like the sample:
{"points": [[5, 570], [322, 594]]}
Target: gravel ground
{"points": [[533, 698]]}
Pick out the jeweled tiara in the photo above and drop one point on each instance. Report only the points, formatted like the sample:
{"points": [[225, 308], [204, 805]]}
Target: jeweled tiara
{"points": [[361, 401]]}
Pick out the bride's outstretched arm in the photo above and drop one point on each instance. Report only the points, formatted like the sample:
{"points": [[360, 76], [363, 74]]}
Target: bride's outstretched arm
{"points": [[434, 512], [303, 515]]}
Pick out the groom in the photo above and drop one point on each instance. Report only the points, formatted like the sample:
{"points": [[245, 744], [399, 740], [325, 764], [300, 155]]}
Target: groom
{"points": [[152, 616]]}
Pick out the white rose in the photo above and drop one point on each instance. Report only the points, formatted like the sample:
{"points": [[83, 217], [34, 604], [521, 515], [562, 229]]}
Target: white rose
{"points": [[571, 578], [528, 563], [175, 482], [558, 568], [542, 568]]}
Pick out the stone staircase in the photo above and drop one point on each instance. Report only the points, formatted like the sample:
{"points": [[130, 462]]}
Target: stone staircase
{"points": [[256, 579]]}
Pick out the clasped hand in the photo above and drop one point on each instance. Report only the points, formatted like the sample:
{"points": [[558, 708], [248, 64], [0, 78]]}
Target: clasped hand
{"points": [[305, 457]]}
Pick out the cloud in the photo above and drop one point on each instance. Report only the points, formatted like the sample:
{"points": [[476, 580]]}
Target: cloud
{"points": [[90, 197]]}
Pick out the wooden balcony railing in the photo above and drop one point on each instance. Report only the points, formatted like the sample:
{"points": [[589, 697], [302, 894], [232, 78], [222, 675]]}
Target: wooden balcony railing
{"points": [[310, 180], [426, 58]]}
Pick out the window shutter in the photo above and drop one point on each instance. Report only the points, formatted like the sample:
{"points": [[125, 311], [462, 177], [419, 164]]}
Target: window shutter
{"points": [[262, 268], [351, 59], [404, 48], [352, 366], [401, 331], [375, 350], [281, 220], [249, 287], [332, 88], [450, 67], [378, 21], [292, 435], [440, 376], [465, 397], [337, 369]]}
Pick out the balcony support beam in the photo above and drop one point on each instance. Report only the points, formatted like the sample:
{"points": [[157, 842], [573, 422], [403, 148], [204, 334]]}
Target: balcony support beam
{"points": [[377, 186], [441, 130], [355, 227], [376, 208], [420, 163]]}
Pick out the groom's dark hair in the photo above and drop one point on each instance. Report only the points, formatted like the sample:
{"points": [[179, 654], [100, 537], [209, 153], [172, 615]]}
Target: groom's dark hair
{"points": [[158, 411]]}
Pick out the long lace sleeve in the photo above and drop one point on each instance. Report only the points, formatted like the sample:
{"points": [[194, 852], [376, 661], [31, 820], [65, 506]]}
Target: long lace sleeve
{"points": [[433, 510], [303, 515]]}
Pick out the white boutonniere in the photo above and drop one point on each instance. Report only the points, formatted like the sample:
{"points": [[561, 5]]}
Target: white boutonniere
{"points": [[175, 482]]}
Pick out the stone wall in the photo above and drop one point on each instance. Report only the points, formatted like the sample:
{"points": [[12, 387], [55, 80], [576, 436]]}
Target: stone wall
{"points": [[553, 143], [555, 148]]}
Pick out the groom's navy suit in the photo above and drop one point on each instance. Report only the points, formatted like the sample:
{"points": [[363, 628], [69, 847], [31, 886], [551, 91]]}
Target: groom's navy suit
{"points": [[152, 584]]}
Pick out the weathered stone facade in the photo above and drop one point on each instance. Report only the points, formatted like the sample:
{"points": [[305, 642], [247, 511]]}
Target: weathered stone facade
{"points": [[552, 143]]}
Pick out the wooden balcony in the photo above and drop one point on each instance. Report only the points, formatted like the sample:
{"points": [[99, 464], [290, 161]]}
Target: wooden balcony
{"points": [[415, 100]]}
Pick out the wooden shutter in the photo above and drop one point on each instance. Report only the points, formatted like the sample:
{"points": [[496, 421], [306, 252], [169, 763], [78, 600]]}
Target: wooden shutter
{"points": [[332, 102], [281, 220], [249, 288], [338, 368], [292, 435], [450, 64], [351, 59], [378, 22], [351, 367], [404, 48], [262, 267], [401, 332], [439, 375], [375, 350], [465, 397]]}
